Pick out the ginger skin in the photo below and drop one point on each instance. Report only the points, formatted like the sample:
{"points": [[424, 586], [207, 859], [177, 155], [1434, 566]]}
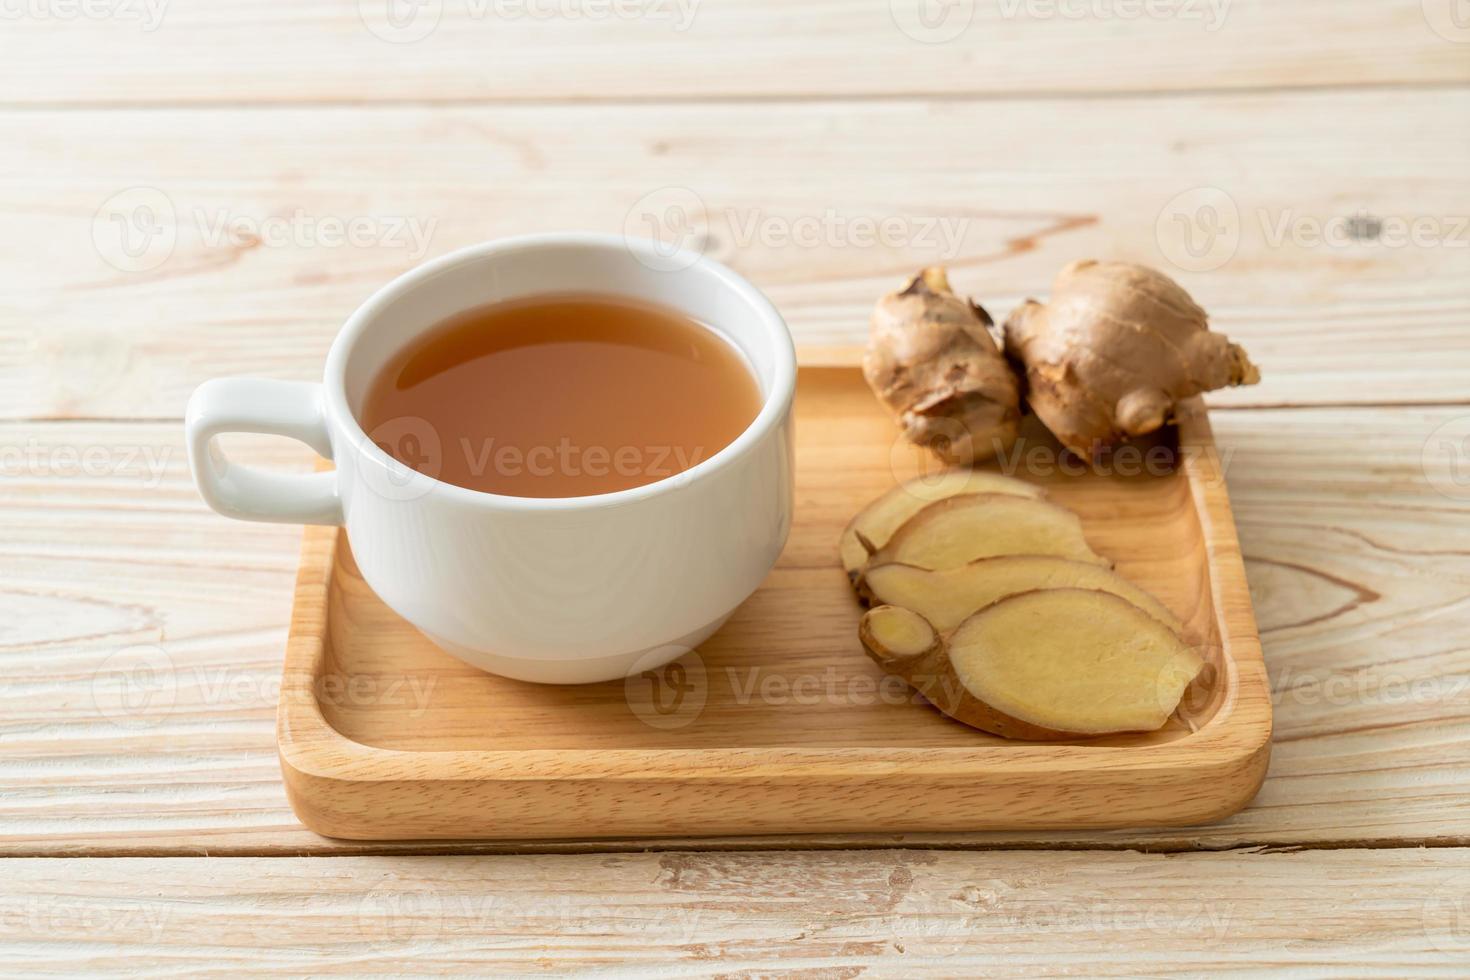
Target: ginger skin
{"points": [[933, 364], [1113, 352]]}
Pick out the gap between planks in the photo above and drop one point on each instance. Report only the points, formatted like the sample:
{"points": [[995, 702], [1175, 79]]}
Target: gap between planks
{"points": [[355, 849], [752, 99]]}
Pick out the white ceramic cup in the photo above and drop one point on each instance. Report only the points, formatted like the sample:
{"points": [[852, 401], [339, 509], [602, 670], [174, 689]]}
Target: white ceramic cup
{"points": [[557, 590]]}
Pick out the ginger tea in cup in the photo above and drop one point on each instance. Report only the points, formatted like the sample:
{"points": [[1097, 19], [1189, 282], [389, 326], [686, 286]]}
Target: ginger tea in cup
{"points": [[565, 395], [627, 406]]}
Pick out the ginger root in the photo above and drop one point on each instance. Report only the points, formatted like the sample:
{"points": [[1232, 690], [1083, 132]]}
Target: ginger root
{"points": [[932, 362], [1114, 350], [1047, 665]]}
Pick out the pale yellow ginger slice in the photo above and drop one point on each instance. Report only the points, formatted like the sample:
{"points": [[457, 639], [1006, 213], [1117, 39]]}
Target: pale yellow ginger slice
{"points": [[876, 522], [1047, 665], [961, 529], [948, 597]]}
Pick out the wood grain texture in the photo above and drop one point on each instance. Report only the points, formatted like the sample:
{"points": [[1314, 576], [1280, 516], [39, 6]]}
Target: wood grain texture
{"points": [[1372, 913], [1355, 572], [344, 51], [825, 206], [779, 723]]}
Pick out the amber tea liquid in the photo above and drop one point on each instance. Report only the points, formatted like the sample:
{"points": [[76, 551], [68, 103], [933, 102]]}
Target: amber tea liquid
{"points": [[562, 395]]}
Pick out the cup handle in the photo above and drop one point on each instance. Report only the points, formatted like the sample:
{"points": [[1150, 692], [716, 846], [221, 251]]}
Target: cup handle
{"points": [[282, 408]]}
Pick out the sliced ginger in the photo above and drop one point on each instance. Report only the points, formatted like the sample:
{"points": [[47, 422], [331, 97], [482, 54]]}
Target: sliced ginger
{"points": [[877, 521], [1045, 665], [960, 529], [948, 597]]}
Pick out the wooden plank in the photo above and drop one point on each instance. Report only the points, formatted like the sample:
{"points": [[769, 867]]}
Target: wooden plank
{"points": [[248, 273], [142, 640], [1389, 913], [465, 50]]}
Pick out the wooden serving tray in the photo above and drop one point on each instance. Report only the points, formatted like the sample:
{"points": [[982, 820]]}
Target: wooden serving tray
{"points": [[779, 723]]}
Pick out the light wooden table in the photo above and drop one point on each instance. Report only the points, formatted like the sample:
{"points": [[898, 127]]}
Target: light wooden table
{"points": [[174, 192]]}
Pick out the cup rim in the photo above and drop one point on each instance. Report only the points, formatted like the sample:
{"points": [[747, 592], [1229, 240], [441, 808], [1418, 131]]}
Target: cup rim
{"points": [[774, 407]]}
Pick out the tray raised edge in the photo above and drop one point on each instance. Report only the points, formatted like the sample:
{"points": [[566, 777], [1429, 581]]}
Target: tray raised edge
{"points": [[345, 789]]}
